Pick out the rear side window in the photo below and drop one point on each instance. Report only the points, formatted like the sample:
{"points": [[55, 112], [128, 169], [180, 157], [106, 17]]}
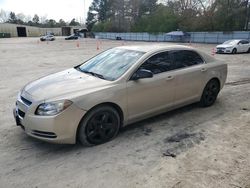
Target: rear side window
{"points": [[158, 63], [186, 58]]}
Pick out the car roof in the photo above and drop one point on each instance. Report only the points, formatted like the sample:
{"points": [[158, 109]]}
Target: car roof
{"points": [[234, 40], [154, 48], [162, 47]]}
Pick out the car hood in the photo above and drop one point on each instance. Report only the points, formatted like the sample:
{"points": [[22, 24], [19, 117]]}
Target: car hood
{"points": [[224, 46], [63, 83]]}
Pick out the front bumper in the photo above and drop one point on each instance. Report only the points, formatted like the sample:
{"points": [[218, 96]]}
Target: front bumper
{"points": [[61, 128], [223, 51]]}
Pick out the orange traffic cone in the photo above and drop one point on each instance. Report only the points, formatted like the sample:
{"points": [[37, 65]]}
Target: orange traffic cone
{"points": [[213, 52], [77, 44]]}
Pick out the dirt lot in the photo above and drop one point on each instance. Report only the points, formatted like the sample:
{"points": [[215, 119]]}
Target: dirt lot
{"points": [[209, 147]]}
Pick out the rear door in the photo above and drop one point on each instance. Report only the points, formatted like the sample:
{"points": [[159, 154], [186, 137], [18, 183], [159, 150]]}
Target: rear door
{"points": [[190, 73], [246, 45]]}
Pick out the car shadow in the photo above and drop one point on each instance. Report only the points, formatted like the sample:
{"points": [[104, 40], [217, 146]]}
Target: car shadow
{"points": [[64, 148], [160, 117], [238, 53], [131, 131]]}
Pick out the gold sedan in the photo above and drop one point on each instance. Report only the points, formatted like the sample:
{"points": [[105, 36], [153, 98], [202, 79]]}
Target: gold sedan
{"points": [[122, 85]]}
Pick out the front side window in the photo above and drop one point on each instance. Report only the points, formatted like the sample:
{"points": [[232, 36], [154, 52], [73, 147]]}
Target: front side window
{"points": [[111, 64], [244, 42], [186, 58], [158, 63]]}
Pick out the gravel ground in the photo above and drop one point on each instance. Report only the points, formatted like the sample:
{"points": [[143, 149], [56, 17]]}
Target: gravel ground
{"points": [[189, 147]]}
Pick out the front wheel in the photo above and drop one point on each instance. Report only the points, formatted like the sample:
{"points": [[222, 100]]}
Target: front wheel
{"points": [[234, 51], [248, 51], [210, 93], [100, 125]]}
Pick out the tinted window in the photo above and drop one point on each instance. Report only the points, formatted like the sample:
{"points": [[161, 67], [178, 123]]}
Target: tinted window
{"points": [[158, 63], [244, 42], [185, 58]]}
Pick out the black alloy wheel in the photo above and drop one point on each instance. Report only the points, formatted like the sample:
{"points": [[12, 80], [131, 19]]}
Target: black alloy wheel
{"points": [[100, 126], [234, 51], [210, 93]]}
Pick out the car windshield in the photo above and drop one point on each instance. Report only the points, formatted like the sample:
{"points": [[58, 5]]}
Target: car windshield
{"points": [[111, 64], [231, 42]]}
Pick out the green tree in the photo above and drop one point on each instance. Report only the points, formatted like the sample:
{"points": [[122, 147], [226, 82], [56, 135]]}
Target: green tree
{"points": [[73, 22], [187, 15], [35, 19], [50, 23], [12, 18], [230, 15], [162, 19], [62, 23], [92, 15]]}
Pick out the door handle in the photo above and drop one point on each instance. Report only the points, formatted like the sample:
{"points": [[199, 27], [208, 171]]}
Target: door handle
{"points": [[169, 78], [203, 70]]}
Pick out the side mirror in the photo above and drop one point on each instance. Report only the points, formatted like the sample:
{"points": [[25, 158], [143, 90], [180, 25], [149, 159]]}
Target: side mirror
{"points": [[141, 74]]}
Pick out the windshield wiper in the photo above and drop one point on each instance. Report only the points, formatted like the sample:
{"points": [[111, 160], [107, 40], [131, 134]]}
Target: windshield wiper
{"points": [[93, 74]]}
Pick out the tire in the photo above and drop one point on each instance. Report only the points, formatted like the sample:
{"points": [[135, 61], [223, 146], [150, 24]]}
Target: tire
{"points": [[100, 125], [248, 51], [234, 51], [210, 93]]}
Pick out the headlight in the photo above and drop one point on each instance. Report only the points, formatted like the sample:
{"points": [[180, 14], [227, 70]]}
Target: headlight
{"points": [[229, 47], [52, 108]]}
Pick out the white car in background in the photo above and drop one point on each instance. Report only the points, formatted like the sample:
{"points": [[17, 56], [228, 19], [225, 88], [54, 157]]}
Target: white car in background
{"points": [[47, 38], [234, 46]]}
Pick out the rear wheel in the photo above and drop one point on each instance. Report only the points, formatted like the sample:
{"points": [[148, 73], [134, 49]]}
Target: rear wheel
{"points": [[99, 126], [210, 93], [234, 51]]}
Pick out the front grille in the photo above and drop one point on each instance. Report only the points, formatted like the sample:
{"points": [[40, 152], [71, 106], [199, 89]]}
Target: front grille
{"points": [[25, 101], [21, 113], [44, 134], [221, 48]]}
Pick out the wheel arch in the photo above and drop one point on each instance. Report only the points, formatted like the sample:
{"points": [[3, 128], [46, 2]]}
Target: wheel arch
{"points": [[235, 48], [111, 104], [217, 79], [203, 102], [115, 106], [212, 78]]}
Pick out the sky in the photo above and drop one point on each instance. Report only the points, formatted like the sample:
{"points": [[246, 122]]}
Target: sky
{"points": [[53, 9]]}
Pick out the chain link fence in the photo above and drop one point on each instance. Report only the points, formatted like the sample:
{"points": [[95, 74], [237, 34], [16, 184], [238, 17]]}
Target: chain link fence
{"points": [[196, 37]]}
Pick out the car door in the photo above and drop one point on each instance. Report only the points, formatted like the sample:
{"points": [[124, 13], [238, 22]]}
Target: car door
{"points": [[190, 73], [240, 47], [245, 45], [151, 95]]}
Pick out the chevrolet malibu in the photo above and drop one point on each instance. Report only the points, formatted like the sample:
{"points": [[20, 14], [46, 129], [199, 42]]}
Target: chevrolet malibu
{"points": [[92, 101]]}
